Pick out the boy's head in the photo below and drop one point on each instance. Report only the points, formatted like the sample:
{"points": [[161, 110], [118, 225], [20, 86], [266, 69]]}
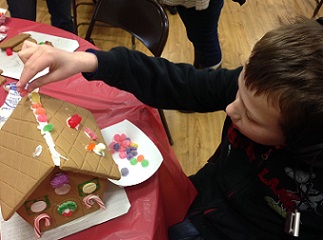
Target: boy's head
{"points": [[286, 65]]}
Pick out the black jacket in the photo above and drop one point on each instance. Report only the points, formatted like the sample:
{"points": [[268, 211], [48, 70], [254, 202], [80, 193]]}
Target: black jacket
{"points": [[245, 189]]}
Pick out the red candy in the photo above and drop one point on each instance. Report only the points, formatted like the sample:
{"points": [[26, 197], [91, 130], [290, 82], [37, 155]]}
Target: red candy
{"points": [[67, 213], [74, 121], [8, 51]]}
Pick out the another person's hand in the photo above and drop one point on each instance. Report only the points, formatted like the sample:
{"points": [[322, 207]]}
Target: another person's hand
{"points": [[61, 65]]}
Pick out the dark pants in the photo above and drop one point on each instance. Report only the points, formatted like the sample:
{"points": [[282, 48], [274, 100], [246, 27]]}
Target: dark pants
{"points": [[202, 31], [184, 231], [60, 11]]}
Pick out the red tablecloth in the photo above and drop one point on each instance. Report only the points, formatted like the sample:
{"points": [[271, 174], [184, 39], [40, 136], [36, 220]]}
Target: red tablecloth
{"points": [[156, 203]]}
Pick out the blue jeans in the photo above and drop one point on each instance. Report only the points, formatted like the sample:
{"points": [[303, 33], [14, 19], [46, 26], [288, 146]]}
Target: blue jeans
{"points": [[60, 11], [202, 31], [184, 231]]}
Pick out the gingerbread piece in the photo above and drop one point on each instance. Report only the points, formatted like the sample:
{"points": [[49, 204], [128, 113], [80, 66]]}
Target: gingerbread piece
{"points": [[2, 78], [31, 182], [18, 47], [12, 42]]}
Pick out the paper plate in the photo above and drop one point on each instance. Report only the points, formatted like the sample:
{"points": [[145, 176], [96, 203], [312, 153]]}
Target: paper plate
{"points": [[135, 170]]}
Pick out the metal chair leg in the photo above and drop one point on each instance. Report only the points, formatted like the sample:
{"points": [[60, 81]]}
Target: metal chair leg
{"points": [[133, 42], [74, 8], [318, 6]]}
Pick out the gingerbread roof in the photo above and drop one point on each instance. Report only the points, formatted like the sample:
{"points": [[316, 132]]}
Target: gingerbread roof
{"points": [[21, 172]]}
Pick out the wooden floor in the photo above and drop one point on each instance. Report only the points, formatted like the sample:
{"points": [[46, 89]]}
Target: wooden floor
{"points": [[197, 135]]}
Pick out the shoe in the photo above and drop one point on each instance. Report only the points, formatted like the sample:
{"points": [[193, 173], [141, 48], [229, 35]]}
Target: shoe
{"points": [[172, 9]]}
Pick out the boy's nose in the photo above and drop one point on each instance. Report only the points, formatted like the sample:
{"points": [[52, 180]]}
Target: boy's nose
{"points": [[233, 111]]}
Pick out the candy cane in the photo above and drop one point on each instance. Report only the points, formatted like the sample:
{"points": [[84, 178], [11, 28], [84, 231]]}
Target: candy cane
{"points": [[44, 216], [89, 200]]}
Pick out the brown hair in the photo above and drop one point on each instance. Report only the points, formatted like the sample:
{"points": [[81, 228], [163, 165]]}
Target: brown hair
{"points": [[287, 66]]}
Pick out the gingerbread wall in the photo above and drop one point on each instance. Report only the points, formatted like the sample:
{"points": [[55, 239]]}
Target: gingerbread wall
{"points": [[47, 199]]}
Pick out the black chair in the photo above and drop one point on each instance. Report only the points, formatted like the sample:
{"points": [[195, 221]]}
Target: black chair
{"points": [[75, 5], [145, 20]]}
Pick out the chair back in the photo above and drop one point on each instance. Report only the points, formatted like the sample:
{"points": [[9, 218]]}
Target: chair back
{"points": [[144, 19]]}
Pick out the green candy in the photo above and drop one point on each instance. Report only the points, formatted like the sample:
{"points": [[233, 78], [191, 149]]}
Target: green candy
{"points": [[48, 128], [133, 161], [144, 163], [67, 205]]}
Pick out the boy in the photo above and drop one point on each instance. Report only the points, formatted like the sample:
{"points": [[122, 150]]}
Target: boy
{"points": [[265, 179]]}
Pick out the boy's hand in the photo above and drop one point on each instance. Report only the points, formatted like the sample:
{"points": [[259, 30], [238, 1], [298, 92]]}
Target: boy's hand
{"points": [[39, 57], [61, 65]]}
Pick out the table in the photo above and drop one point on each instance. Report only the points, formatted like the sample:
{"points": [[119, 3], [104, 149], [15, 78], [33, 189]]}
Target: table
{"points": [[157, 203]]}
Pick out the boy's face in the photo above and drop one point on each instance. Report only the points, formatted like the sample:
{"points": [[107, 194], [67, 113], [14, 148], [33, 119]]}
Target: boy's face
{"points": [[254, 117]]}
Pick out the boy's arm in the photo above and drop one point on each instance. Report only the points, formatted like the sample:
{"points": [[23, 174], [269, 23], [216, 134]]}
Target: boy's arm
{"points": [[162, 84]]}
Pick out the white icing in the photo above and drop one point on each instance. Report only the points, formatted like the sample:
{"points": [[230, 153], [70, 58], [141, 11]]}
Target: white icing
{"points": [[38, 151], [56, 156], [99, 149]]}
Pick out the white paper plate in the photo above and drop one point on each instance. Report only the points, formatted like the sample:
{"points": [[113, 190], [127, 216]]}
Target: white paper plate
{"points": [[12, 66], [136, 173]]}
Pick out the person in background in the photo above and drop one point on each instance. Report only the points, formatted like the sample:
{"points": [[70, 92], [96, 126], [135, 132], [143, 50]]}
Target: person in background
{"points": [[60, 11], [265, 180], [172, 9], [201, 18]]}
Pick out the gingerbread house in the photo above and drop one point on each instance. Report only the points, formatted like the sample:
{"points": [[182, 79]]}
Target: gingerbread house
{"points": [[53, 163]]}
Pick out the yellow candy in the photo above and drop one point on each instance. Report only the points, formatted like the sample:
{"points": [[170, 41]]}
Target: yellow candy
{"points": [[35, 97], [135, 145]]}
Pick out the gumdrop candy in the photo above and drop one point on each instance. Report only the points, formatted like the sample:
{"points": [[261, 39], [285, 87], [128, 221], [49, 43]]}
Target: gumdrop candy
{"points": [[74, 121]]}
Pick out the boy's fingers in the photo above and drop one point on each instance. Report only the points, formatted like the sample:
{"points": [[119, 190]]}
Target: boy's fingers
{"points": [[35, 84], [27, 50], [28, 44], [33, 65]]}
